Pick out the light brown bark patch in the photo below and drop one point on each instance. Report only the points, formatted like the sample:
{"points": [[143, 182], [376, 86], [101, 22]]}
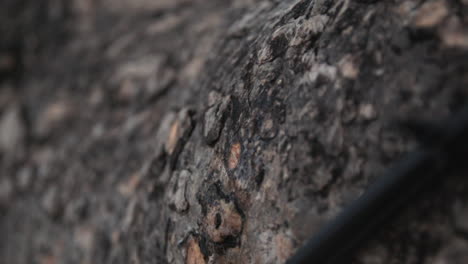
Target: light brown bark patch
{"points": [[234, 156], [173, 137], [284, 247], [194, 254], [348, 67], [454, 34], [431, 14]]}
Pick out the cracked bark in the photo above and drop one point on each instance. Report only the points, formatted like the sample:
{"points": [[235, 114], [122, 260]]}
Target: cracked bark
{"points": [[220, 132]]}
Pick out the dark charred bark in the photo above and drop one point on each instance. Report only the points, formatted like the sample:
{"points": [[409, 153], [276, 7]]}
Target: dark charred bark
{"points": [[220, 131]]}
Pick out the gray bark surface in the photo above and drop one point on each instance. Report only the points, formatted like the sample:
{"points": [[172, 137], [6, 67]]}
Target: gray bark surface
{"points": [[177, 131]]}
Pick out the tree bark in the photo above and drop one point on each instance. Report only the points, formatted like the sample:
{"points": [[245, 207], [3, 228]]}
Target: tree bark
{"points": [[177, 131]]}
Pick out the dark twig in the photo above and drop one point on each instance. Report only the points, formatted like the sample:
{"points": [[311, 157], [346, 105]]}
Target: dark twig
{"points": [[336, 241]]}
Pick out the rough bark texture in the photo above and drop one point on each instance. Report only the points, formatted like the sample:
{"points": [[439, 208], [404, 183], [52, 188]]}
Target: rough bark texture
{"points": [[211, 131]]}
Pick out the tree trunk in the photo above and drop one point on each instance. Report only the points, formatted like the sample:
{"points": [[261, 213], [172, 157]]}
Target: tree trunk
{"points": [[178, 131]]}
